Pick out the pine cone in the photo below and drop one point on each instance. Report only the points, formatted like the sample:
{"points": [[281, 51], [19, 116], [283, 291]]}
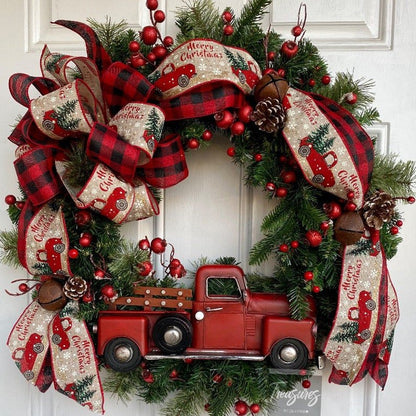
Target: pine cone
{"points": [[269, 115], [75, 287], [378, 209]]}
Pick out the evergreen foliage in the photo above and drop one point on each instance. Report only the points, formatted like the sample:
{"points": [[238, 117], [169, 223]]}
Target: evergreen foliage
{"points": [[63, 115]]}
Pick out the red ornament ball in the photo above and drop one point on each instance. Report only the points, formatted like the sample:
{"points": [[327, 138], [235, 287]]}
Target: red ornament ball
{"points": [[296, 30], [311, 82], [173, 374], [231, 151], [145, 268], [255, 408], [281, 192], [23, 287], [10, 199], [411, 199], [284, 248], [281, 72], [20, 205], [288, 176], [326, 79], [237, 128], [350, 206], [294, 244], [228, 30], [148, 377], [168, 41], [144, 244], [88, 297], [207, 135], [134, 46], [99, 274], [159, 16], [152, 4], [333, 210], [314, 238], [217, 378], [227, 16], [308, 275], [289, 49], [151, 57], [316, 289], [149, 35], [306, 384], [350, 195], [324, 226], [193, 143], [399, 223], [351, 98], [244, 113], [159, 51], [137, 61], [85, 240], [108, 291], [270, 186], [224, 119], [394, 230], [73, 253], [271, 56], [175, 263], [241, 408], [158, 245], [83, 217], [258, 157]]}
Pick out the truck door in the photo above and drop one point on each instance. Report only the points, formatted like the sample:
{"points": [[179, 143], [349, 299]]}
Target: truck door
{"points": [[224, 311]]}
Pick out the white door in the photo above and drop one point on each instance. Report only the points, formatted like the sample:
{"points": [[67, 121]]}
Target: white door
{"points": [[212, 214]]}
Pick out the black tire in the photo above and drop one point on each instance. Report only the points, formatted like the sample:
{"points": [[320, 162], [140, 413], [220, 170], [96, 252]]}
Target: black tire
{"points": [[304, 150], [183, 81], [172, 334], [288, 354], [122, 354]]}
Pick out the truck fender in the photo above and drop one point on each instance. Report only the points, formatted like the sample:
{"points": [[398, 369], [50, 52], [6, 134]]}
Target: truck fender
{"points": [[277, 328]]}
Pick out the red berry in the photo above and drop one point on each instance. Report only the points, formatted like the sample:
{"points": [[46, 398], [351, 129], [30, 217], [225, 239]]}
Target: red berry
{"points": [[241, 408], [306, 384], [296, 31], [193, 143], [152, 4], [314, 238], [108, 291], [168, 41], [394, 230], [326, 79], [83, 217], [137, 61], [99, 274], [224, 119], [207, 135], [281, 72], [281, 192], [289, 49], [188, 360], [173, 374], [284, 248], [351, 98], [399, 223], [149, 35], [324, 225], [134, 46], [20, 205], [268, 71], [145, 268], [308, 275], [350, 195], [258, 157], [158, 245], [231, 151], [144, 244], [148, 377], [227, 16], [228, 30], [85, 240], [217, 378], [333, 210], [23, 287], [88, 297], [244, 113], [151, 57], [270, 186], [312, 82], [350, 206], [411, 199], [10, 199], [294, 244], [271, 56], [175, 263], [177, 272], [316, 289], [283, 159], [73, 253], [288, 176], [159, 51], [237, 128], [255, 408], [159, 16]]}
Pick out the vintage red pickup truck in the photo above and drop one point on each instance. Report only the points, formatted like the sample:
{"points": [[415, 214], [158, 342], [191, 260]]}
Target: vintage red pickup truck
{"points": [[223, 320]]}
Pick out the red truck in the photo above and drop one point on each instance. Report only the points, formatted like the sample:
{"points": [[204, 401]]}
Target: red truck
{"points": [[224, 320]]}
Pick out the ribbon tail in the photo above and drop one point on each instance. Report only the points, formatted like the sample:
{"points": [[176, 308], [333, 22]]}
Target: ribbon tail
{"points": [[95, 50]]}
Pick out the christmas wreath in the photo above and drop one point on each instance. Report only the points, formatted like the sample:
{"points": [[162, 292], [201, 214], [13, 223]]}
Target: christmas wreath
{"points": [[110, 129]]}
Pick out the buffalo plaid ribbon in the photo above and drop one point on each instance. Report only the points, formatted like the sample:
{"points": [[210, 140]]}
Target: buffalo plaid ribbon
{"points": [[203, 101]]}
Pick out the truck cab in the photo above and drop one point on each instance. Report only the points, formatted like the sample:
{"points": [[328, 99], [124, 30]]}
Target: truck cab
{"points": [[224, 320]]}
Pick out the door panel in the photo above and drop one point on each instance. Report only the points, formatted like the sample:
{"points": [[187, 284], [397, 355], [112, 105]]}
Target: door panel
{"points": [[212, 213]]}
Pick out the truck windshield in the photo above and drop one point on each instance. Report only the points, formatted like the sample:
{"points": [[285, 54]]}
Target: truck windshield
{"points": [[223, 287]]}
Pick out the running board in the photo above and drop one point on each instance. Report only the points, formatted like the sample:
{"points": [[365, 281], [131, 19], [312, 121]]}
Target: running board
{"points": [[156, 356]]}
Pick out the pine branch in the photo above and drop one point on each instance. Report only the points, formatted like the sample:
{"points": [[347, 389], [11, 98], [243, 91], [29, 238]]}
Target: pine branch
{"points": [[8, 245]]}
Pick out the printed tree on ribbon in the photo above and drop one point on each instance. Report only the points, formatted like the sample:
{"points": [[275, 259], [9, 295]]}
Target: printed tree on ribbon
{"points": [[348, 333], [236, 61], [80, 390], [63, 115], [153, 124], [320, 143]]}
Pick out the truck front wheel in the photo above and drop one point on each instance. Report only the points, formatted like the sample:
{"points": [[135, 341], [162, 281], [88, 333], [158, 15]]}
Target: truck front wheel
{"points": [[122, 354], [172, 334], [289, 353]]}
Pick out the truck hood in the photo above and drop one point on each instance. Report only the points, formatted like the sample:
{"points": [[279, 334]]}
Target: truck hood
{"points": [[268, 304]]}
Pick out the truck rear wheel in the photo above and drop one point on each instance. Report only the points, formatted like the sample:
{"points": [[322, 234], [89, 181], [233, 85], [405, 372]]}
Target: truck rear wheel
{"points": [[122, 354], [172, 334], [289, 353]]}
